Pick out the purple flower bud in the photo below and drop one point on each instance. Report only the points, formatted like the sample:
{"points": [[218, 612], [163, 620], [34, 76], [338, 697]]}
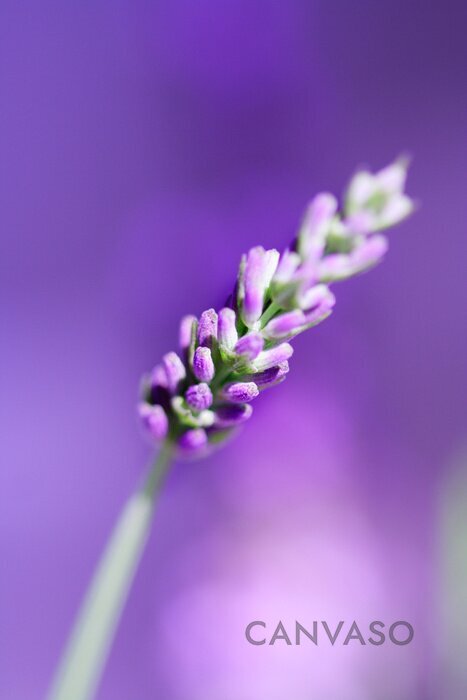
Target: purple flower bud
{"points": [[361, 188], [284, 325], [240, 392], [396, 210], [186, 416], [376, 201], [314, 296], [287, 266], [320, 312], [316, 225], [272, 374], [259, 270], [227, 330], [270, 377], [174, 370], [230, 415], [154, 419], [340, 266], [193, 440], [317, 303], [291, 276], [207, 328], [199, 397], [370, 252], [280, 371], [360, 223], [392, 178], [203, 366], [274, 356], [335, 267], [186, 329], [158, 377], [250, 345]]}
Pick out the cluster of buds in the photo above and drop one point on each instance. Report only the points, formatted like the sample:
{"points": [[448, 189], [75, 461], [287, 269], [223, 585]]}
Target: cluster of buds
{"points": [[199, 397]]}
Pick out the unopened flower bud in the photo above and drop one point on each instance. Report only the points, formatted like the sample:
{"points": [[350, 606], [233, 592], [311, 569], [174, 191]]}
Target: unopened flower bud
{"points": [[250, 345], [376, 201], [339, 266], [290, 276], [186, 329], [240, 392], [269, 377], [254, 281], [174, 370], [193, 440], [158, 377], [186, 416], [314, 296], [199, 396], [154, 419], [227, 330], [288, 264], [274, 356], [207, 328], [203, 365], [316, 226], [284, 325], [319, 313], [231, 415]]}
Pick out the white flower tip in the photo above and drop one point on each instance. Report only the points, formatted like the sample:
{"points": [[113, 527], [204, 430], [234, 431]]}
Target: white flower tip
{"points": [[392, 178]]}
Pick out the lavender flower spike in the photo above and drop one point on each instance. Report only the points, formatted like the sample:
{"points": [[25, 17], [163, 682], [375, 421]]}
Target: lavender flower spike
{"points": [[260, 265], [229, 357], [237, 354], [203, 366]]}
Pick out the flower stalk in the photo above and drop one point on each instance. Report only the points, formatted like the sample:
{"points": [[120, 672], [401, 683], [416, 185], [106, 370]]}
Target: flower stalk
{"points": [[193, 401], [83, 661]]}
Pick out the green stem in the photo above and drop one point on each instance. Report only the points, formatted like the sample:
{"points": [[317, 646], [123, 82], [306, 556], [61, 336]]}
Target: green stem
{"points": [[220, 378], [272, 309], [84, 659]]}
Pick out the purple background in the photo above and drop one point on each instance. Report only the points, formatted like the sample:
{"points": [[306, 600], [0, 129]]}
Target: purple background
{"points": [[144, 146]]}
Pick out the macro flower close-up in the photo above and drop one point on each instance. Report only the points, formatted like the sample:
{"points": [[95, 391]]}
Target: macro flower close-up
{"points": [[194, 401], [232, 252]]}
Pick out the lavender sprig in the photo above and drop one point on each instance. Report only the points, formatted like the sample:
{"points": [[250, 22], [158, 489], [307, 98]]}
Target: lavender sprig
{"points": [[197, 399], [194, 400]]}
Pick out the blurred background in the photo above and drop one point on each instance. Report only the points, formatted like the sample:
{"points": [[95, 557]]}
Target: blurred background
{"points": [[144, 146]]}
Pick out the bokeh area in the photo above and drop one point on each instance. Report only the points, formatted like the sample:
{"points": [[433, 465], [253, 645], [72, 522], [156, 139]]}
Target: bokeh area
{"points": [[144, 146]]}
